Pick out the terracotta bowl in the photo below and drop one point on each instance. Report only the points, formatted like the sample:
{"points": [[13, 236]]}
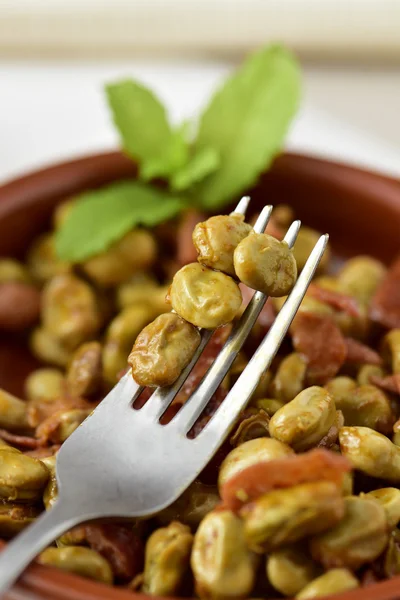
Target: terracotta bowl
{"points": [[360, 210]]}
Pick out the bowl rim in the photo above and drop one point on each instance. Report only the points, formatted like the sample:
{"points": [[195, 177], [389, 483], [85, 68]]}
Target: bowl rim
{"points": [[57, 180], [91, 169]]}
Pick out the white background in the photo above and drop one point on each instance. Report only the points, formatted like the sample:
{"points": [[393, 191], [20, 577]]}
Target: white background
{"points": [[362, 27], [52, 110]]}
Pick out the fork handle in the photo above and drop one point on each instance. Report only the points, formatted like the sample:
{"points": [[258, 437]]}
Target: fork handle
{"points": [[27, 545]]}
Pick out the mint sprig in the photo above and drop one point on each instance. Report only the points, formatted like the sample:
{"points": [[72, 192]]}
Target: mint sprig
{"points": [[203, 162], [103, 216], [246, 122], [142, 122], [239, 134]]}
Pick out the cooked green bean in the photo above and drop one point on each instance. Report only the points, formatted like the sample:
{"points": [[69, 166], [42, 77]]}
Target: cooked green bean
{"points": [[222, 564], [287, 515], [204, 297], [357, 539], [216, 239], [81, 561], [305, 420], [331, 582], [290, 569], [167, 559], [162, 350], [265, 264], [371, 452]]}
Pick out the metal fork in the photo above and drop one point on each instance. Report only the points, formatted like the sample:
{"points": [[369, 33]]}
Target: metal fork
{"points": [[122, 462]]}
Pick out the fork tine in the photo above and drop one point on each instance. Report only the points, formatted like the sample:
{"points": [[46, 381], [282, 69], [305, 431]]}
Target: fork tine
{"points": [[199, 399], [263, 219], [239, 395], [292, 233], [162, 397], [242, 205]]}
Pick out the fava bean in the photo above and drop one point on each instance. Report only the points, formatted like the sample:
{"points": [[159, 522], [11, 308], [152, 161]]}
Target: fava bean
{"points": [[289, 570], [167, 559], [366, 406], [269, 405], [367, 371], [360, 277], [389, 498], [85, 372], [162, 350], [204, 297], [81, 561], [371, 452], [69, 310], [15, 517], [13, 270], [265, 264], [22, 477], [287, 515], [192, 506], [44, 384], [391, 349], [357, 327], [222, 564], [48, 348], [305, 420], [283, 215], [143, 289], [340, 387], [120, 337], [289, 378], [332, 582], [358, 539], [305, 242], [139, 248], [107, 269], [136, 251], [13, 414], [312, 305], [43, 262], [216, 239]]}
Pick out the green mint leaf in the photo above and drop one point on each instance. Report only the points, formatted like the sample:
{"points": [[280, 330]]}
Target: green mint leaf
{"points": [[101, 217], [246, 122], [140, 118], [204, 162], [174, 157]]}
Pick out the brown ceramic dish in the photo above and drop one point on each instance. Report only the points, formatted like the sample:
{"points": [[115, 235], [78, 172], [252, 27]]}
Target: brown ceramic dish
{"points": [[360, 210]]}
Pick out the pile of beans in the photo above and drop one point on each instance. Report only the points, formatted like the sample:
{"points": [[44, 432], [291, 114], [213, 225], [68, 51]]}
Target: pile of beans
{"points": [[304, 498]]}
